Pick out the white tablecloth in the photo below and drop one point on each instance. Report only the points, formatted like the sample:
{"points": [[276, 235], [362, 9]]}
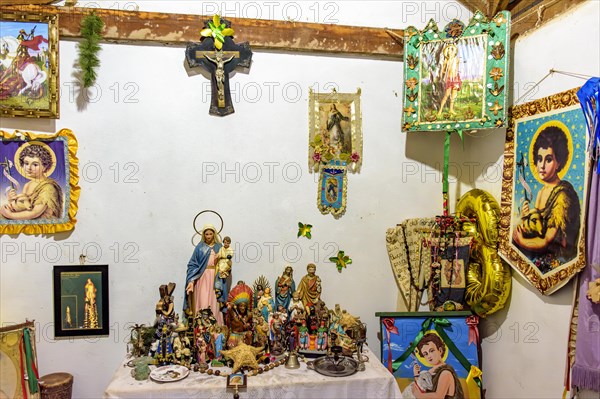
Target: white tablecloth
{"points": [[375, 382]]}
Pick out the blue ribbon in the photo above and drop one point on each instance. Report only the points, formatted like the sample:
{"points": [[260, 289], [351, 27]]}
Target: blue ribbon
{"points": [[589, 97]]}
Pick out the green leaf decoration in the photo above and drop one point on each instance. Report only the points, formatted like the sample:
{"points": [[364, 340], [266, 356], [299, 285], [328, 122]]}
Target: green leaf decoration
{"points": [[341, 260], [304, 230], [91, 27]]}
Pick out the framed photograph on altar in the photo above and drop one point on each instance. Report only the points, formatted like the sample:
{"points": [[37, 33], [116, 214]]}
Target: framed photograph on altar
{"points": [[544, 191], [335, 130], [38, 182], [29, 65], [455, 78], [80, 300], [422, 348], [236, 380]]}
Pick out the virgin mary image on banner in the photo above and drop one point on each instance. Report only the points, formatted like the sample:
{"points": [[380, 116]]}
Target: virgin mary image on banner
{"points": [[549, 189]]}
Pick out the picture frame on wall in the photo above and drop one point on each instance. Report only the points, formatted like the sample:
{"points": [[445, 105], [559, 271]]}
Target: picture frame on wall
{"points": [[81, 300], [544, 188], [39, 180], [29, 77], [457, 78], [417, 346], [335, 130]]}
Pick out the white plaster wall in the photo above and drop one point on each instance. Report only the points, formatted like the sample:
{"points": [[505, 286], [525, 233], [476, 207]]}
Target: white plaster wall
{"points": [[151, 158], [529, 339]]}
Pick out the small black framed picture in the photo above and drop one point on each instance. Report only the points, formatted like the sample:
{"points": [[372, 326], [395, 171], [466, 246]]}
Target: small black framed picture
{"points": [[80, 300]]}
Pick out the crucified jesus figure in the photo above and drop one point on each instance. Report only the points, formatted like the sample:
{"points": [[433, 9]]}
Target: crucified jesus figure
{"points": [[220, 62]]}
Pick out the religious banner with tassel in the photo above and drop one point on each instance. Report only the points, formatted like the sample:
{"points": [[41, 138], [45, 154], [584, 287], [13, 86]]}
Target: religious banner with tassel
{"points": [[335, 145]]}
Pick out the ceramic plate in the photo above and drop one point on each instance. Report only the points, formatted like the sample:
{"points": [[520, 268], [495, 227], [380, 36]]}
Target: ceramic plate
{"points": [[170, 373]]}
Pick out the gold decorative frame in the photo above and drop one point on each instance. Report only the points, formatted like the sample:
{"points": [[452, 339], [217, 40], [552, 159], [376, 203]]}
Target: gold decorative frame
{"points": [[26, 105], [321, 150], [548, 109], [66, 175]]}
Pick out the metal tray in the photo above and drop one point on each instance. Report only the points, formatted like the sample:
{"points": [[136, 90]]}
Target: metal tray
{"points": [[329, 366]]}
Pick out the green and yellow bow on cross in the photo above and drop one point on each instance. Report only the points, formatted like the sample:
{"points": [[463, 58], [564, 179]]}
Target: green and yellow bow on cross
{"points": [[217, 30]]}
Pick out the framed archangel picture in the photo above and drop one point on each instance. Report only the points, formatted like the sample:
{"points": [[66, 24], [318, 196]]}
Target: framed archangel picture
{"points": [[335, 130], [38, 182], [80, 300], [544, 189], [456, 78], [29, 65], [435, 353]]}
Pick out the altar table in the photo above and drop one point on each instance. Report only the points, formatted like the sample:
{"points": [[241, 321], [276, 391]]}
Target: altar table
{"points": [[375, 382]]}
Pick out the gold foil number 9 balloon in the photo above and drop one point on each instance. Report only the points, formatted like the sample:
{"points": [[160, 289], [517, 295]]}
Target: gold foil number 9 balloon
{"points": [[489, 277]]}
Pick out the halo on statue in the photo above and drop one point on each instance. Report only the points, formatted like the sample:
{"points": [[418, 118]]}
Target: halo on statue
{"points": [[199, 231]]}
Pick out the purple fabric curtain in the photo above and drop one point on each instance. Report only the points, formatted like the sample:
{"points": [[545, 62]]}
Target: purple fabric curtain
{"points": [[586, 369]]}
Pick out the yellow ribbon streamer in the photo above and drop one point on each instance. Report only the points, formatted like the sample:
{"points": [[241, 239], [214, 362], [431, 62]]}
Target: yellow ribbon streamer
{"points": [[472, 387]]}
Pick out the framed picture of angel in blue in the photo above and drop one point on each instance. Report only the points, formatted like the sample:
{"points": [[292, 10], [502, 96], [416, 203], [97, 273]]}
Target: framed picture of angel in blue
{"points": [[38, 182], [544, 191], [29, 65], [432, 354]]}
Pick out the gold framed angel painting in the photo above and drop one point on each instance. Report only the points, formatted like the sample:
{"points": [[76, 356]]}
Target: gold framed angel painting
{"points": [[38, 182], [544, 189]]}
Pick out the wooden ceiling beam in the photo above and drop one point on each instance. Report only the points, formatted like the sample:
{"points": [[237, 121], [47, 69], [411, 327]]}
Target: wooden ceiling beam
{"points": [[528, 15], [501, 6], [179, 29], [477, 5]]}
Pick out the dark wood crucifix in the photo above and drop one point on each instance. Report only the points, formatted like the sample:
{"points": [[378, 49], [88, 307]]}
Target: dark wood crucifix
{"points": [[219, 62]]}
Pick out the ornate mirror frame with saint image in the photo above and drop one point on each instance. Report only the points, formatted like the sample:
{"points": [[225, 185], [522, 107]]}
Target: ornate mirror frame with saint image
{"points": [[544, 188], [456, 78]]}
